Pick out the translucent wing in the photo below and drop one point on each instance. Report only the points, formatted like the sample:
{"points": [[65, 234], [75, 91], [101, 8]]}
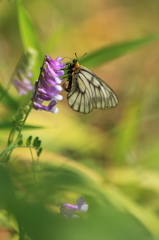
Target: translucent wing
{"points": [[88, 92]]}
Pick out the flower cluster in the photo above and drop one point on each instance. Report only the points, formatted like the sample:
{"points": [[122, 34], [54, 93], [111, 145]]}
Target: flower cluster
{"points": [[23, 86], [47, 86], [68, 209], [23, 72]]}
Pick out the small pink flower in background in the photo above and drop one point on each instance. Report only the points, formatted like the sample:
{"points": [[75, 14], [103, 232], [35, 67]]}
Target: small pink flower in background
{"points": [[23, 73], [68, 209], [23, 87]]}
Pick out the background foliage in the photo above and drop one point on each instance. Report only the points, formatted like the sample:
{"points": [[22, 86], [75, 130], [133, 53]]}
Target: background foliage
{"points": [[108, 157]]}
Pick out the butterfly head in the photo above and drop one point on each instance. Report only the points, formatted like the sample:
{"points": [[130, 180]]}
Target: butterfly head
{"points": [[74, 61], [75, 64]]}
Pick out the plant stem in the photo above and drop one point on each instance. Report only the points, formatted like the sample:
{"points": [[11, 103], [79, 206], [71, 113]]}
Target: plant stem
{"points": [[33, 164], [13, 133]]}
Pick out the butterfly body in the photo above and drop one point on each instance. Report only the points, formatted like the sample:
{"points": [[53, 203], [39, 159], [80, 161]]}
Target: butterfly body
{"points": [[86, 91]]}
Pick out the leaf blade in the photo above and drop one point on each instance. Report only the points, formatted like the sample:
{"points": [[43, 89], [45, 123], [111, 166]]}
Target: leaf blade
{"points": [[114, 51], [28, 33], [7, 125]]}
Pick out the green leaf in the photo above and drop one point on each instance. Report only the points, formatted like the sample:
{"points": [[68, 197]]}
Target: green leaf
{"points": [[36, 142], [27, 127], [39, 151], [113, 51], [28, 33], [103, 223], [7, 125], [20, 142], [26, 28], [28, 141]]}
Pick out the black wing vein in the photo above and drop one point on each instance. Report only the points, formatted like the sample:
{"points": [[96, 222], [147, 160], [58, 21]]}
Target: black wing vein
{"points": [[88, 91]]}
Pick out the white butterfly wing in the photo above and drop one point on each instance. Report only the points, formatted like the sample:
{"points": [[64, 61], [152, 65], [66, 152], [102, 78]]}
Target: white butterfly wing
{"points": [[88, 92]]}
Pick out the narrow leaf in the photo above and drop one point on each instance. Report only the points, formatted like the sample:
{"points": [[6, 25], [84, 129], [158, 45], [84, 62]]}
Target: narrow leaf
{"points": [[28, 34], [113, 51], [26, 28], [6, 125]]}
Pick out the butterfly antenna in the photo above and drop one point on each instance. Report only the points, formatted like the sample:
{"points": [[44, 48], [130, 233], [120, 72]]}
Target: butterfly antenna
{"points": [[83, 55], [80, 57], [68, 57], [76, 56]]}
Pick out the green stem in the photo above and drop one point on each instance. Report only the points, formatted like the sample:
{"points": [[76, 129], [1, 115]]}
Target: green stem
{"points": [[30, 107], [33, 162], [11, 136], [13, 133], [34, 176]]}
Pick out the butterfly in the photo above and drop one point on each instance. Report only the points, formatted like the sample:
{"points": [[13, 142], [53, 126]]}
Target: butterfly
{"points": [[86, 91]]}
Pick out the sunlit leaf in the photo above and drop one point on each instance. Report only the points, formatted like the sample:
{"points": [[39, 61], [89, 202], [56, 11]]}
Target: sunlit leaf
{"points": [[26, 28], [113, 51], [28, 33], [104, 222]]}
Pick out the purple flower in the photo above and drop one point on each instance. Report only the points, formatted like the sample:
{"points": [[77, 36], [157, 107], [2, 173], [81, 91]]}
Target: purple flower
{"points": [[68, 209], [23, 72], [47, 88], [23, 86]]}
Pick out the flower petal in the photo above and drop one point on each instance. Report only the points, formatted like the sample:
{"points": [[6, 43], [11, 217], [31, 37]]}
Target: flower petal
{"points": [[47, 87]]}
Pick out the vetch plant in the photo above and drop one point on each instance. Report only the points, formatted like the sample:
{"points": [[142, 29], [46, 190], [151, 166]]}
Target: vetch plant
{"points": [[47, 87]]}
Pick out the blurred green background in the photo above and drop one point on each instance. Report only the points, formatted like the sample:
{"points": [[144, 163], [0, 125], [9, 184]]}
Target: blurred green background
{"points": [[111, 157]]}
